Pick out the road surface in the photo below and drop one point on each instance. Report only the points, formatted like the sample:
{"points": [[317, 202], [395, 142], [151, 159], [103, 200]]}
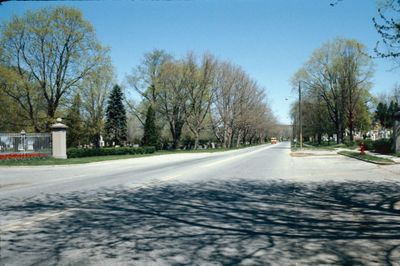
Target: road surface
{"points": [[257, 206]]}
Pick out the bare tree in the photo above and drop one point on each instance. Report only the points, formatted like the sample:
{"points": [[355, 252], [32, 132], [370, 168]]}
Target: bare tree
{"points": [[145, 82], [355, 71], [240, 111], [200, 81], [189, 95], [94, 92], [172, 98], [388, 25], [396, 93], [223, 104]]}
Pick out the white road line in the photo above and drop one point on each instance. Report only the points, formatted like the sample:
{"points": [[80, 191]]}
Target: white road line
{"points": [[236, 157]]}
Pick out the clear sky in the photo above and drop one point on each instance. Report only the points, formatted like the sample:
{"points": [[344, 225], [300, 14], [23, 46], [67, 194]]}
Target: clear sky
{"points": [[270, 39]]}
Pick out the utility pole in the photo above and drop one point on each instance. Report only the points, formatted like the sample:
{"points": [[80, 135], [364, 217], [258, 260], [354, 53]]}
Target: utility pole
{"points": [[300, 122]]}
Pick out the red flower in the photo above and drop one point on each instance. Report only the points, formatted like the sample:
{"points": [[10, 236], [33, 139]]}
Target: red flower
{"points": [[19, 156]]}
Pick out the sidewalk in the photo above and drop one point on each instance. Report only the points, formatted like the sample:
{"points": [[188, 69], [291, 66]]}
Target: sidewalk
{"points": [[327, 152]]}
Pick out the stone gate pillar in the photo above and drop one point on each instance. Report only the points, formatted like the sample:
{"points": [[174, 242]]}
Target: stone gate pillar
{"points": [[59, 139], [396, 132]]}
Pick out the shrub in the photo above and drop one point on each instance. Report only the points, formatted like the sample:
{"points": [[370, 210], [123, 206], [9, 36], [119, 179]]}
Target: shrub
{"points": [[351, 144], [384, 146], [80, 152], [368, 144]]}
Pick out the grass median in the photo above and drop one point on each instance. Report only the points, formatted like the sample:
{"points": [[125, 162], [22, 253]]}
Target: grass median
{"points": [[367, 157]]}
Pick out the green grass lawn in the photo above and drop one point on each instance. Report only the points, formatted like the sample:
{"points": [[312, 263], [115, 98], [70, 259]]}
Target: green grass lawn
{"points": [[367, 157], [53, 161]]}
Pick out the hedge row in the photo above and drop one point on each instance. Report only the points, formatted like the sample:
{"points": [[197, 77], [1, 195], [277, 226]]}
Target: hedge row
{"points": [[384, 146], [81, 152]]}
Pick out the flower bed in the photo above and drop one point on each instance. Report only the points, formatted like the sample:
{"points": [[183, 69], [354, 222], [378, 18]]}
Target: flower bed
{"points": [[19, 156]]}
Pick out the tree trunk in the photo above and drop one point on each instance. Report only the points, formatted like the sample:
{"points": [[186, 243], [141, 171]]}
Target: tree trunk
{"points": [[338, 129], [196, 140], [225, 140], [351, 128], [176, 134], [238, 139]]}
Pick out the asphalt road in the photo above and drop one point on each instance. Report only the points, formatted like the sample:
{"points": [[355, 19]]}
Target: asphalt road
{"points": [[256, 206]]}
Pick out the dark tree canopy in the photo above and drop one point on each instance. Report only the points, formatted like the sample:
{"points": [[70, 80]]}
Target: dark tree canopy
{"points": [[384, 114], [380, 113], [116, 122]]}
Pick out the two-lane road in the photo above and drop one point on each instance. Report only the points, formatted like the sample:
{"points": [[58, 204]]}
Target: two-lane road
{"points": [[257, 206]]}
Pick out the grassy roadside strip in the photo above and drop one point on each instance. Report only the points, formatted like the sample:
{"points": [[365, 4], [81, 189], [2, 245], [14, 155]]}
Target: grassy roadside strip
{"points": [[367, 158], [84, 160]]}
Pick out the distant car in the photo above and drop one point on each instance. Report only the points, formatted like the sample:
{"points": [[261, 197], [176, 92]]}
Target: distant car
{"points": [[273, 141]]}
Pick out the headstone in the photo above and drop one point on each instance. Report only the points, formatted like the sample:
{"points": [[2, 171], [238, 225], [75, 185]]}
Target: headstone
{"points": [[396, 132], [59, 139], [30, 146], [101, 141]]}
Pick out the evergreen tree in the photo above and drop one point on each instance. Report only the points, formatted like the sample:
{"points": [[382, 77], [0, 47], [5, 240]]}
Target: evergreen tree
{"points": [[381, 113], [392, 109], [74, 123], [385, 114], [151, 135], [116, 125]]}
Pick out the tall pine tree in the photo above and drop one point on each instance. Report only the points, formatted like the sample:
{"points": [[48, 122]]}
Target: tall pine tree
{"points": [[74, 123], [151, 136], [116, 127], [381, 113], [391, 111]]}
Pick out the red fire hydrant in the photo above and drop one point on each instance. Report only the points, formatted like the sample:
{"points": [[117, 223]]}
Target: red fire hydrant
{"points": [[362, 148]]}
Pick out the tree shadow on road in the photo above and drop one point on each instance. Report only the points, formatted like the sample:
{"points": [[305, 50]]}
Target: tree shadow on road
{"points": [[237, 222]]}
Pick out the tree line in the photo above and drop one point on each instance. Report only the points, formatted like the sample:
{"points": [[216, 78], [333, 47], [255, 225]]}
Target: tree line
{"points": [[336, 83], [52, 65], [204, 97]]}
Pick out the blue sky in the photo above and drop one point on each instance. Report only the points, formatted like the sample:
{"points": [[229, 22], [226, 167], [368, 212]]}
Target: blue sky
{"points": [[271, 40]]}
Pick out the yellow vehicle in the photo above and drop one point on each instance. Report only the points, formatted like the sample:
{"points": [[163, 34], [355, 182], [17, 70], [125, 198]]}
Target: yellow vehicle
{"points": [[273, 141]]}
